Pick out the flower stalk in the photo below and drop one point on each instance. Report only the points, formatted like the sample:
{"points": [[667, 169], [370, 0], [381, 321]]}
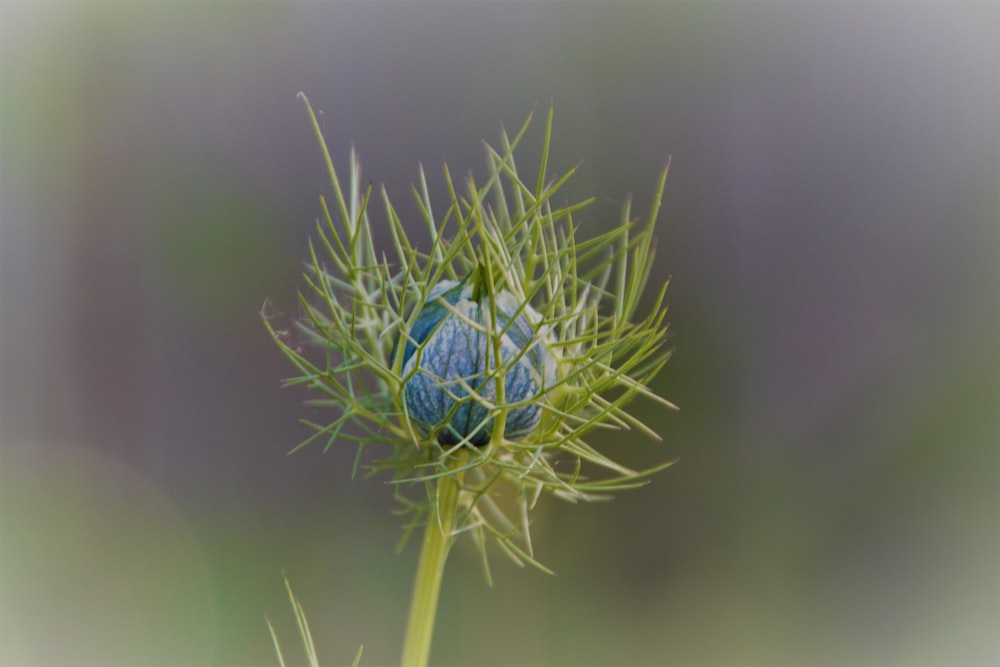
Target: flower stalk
{"points": [[438, 539]]}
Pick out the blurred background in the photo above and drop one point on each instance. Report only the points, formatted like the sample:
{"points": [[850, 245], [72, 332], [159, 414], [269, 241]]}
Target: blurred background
{"points": [[831, 229]]}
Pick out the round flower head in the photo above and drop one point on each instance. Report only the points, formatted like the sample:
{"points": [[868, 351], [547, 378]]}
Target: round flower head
{"points": [[453, 371], [488, 356]]}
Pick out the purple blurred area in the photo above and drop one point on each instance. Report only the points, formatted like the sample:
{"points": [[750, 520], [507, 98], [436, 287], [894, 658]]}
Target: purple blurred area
{"points": [[831, 228]]}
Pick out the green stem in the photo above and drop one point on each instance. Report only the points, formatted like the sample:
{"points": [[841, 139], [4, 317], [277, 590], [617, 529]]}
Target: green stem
{"points": [[438, 539]]}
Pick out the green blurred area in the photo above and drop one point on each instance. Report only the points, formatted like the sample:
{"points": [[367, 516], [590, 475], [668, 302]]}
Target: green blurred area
{"points": [[831, 230]]}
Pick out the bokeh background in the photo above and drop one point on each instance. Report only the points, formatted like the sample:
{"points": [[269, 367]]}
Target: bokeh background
{"points": [[831, 226]]}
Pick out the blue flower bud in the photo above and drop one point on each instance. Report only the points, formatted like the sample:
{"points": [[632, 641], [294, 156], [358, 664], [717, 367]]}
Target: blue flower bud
{"points": [[454, 351]]}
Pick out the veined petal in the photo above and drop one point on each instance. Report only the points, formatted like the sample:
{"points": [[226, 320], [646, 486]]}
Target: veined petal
{"points": [[457, 357]]}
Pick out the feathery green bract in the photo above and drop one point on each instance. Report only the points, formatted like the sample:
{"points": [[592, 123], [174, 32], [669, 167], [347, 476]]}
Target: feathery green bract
{"points": [[304, 634], [361, 300]]}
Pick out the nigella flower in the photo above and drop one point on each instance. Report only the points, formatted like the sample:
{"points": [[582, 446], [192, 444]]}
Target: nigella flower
{"points": [[489, 355], [453, 368]]}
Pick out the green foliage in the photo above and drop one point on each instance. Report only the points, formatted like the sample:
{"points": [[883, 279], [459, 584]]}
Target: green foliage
{"points": [[304, 634], [360, 301]]}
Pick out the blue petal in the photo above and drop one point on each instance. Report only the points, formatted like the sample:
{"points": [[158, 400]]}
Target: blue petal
{"points": [[432, 312], [455, 352]]}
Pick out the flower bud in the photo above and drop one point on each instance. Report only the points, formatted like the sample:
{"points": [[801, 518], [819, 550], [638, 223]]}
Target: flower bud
{"points": [[450, 343]]}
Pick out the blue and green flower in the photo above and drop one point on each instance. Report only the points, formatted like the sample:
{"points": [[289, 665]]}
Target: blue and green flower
{"points": [[486, 355]]}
